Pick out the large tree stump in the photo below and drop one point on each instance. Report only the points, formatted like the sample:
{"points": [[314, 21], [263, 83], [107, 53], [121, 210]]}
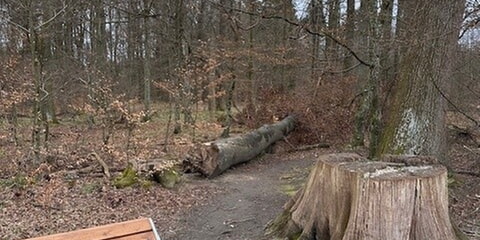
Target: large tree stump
{"points": [[347, 197], [213, 158]]}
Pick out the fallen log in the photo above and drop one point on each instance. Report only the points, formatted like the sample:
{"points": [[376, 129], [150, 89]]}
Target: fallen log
{"points": [[347, 197], [212, 158]]}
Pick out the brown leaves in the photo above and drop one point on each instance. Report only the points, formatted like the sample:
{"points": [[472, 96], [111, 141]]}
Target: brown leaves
{"points": [[321, 110], [15, 84]]}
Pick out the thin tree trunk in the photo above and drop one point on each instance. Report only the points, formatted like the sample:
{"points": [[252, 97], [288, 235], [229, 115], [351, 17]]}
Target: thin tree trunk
{"points": [[229, 117], [367, 116], [333, 23], [317, 21], [350, 31], [147, 64], [37, 78], [131, 54], [179, 60], [250, 76], [14, 123]]}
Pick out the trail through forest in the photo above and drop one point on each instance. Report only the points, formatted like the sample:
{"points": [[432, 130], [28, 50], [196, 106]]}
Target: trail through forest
{"points": [[254, 194]]}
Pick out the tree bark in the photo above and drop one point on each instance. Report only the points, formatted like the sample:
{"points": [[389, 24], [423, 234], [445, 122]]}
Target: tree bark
{"points": [[213, 158], [333, 23], [349, 32], [415, 122], [147, 63], [35, 46], [317, 22], [367, 113], [347, 197]]}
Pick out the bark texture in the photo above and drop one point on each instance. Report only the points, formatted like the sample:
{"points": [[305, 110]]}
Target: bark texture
{"points": [[347, 197], [213, 158], [415, 118]]}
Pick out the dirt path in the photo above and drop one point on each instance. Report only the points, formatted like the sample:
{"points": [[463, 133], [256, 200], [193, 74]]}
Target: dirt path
{"points": [[254, 193]]}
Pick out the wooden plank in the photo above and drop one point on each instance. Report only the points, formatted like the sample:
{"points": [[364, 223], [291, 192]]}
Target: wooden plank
{"points": [[110, 231], [141, 236]]}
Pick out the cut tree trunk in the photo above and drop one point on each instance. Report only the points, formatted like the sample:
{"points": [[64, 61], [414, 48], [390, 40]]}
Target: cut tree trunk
{"points": [[212, 158], [347, 197]]}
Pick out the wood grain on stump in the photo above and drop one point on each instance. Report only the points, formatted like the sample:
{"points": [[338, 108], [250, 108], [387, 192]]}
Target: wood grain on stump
{"points": [[347, 197]]}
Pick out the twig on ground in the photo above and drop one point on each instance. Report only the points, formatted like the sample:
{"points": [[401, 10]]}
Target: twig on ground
{"points": [[228, 222], [474, 174], [471, 150], [288, 142], [105, 168], [310, 147]]}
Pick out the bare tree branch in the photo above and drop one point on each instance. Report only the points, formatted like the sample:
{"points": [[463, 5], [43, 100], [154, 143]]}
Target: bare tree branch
{"points": [[18, 26], [453, 104], [52, 18], [321, 33]]}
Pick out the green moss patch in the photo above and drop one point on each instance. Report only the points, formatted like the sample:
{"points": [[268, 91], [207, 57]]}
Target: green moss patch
{"points": [[128, 178], [168, 177], [19, 181]]}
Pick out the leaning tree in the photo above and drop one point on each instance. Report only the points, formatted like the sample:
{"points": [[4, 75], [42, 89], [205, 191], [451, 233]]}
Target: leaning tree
{"points": [[348, 197]]}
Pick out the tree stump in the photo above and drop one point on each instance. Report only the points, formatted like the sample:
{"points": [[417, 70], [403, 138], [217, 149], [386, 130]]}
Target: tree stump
{"points": [[347, 197]]}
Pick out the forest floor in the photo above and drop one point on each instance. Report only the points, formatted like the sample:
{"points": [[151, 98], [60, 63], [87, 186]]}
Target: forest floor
{"points": [[236, 205], [253, 194]]}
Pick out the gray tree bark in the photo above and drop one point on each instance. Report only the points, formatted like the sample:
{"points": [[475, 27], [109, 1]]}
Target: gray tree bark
{"points": [[147, 61], [415, 121], [213, 158]]}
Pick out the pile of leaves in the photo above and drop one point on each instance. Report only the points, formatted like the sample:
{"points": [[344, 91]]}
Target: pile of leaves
{"points": [[323, 111]]}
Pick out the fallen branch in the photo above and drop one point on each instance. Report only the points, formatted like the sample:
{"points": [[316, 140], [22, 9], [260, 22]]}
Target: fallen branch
{"points": [[309, 147], [105, 168], [474, 174]]}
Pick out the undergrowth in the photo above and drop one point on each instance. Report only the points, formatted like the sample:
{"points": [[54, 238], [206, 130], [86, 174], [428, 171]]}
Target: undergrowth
{"points": [[324, 112]]}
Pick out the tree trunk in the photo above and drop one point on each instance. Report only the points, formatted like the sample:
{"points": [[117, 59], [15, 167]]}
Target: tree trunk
{"points": [[416, 116], [317, 21], [179, 60], [349, 32], [367, 113], [146, 64], [347, 197], [250, 75], [35, 45], [229, 103], [213, 158], [132, 53], [333, 23]]}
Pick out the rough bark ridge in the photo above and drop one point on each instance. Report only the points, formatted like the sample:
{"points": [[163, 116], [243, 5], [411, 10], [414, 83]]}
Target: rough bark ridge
{"points": [[415, 119], [347, 197], [212, 158]]}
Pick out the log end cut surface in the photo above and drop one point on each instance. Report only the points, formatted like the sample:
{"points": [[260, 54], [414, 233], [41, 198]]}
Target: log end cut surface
{"points": [[347, 197]]}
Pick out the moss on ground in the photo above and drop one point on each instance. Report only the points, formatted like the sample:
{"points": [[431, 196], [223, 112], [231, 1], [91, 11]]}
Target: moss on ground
{"points": [[168, 177], [283, 228], [128, 178], [289, 189], [91, 188], [19, 181]]}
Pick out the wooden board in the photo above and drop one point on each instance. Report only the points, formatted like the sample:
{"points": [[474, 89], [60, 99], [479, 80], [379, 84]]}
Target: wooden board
{"points": [[140, 229]]}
